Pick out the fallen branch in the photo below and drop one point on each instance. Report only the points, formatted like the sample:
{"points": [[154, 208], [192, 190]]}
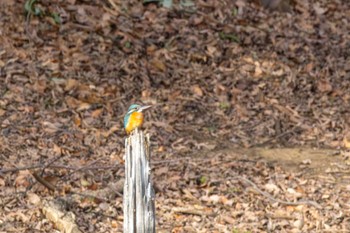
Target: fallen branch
{"points": [[292, 130], [82, 168], [271, 198], [192, 211], [39, 165], [44, 182], [58, 166]]}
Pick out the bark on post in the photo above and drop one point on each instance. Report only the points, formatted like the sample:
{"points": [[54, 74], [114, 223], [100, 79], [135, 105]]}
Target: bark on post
{"points": [[139, 210]]}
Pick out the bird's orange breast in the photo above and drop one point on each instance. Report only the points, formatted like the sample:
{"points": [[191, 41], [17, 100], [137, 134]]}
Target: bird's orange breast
{"points": [[135, 121]]}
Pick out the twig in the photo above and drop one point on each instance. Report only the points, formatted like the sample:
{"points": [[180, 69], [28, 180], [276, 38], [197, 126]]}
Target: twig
{"points": [[30, 167], [292, 130], [192, 211], [83, 168], [7, 160], [52, 161], [42, 181], [271, 198], [280, 216]]}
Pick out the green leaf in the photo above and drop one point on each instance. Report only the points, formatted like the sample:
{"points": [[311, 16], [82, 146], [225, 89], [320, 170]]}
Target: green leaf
{"points": [[224, 105], [56, 17], [28, 6], [211, 128], [37, 11], [232, 37], [234, 11], [203, 180], [128, 44]]}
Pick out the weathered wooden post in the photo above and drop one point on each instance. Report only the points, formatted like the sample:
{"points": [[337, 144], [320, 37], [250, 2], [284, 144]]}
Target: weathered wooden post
{"points": [[139, 209]]}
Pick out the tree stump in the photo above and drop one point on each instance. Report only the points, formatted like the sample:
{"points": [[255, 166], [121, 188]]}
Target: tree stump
{"points": [[138, 202]]}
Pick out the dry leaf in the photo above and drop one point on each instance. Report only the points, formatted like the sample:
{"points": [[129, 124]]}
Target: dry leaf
{"points": [[197, 90], [346, 140], [57, 150], [33, 198], [22, 179], [51, 127], [272, 188], [40, 86], [77, 120], [71, 84], [97, 113], [2, 182], [324, 86], [72, 102], [158, 64]]}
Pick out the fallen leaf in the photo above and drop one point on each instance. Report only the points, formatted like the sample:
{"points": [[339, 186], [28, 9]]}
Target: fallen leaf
{"points": [[324, 86], [346, 140], [97, 113], [77, 120], [22, 179], [158, 64], [2, 182], [71, 84], [40, 86], [272, 188], [33, 198], [197, 90]]}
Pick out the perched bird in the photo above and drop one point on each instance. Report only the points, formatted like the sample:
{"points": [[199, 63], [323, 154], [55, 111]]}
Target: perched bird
{"points": [[134, 117]]}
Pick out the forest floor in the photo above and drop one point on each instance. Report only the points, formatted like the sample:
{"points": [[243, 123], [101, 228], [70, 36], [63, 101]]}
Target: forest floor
{"points": [[249, 126]]}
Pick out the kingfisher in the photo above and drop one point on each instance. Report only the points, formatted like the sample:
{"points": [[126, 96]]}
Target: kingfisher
{"points": [[134, 117]]}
